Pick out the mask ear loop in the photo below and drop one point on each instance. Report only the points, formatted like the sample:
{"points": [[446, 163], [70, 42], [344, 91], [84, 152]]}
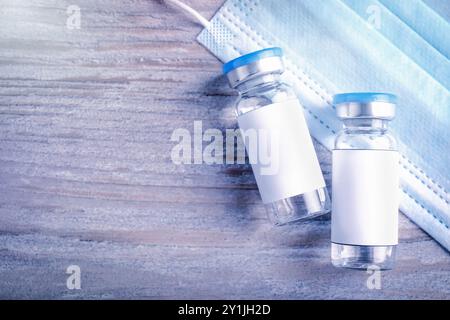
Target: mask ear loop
{"points": [[194, 13], [229, 47]]}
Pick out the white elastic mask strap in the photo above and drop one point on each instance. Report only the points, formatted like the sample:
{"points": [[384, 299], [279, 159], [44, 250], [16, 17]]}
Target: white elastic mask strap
{"points": [[228, 46], [187, 9]]}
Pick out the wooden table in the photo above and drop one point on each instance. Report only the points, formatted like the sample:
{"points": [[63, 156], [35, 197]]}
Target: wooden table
{"points": [[86, 117]]}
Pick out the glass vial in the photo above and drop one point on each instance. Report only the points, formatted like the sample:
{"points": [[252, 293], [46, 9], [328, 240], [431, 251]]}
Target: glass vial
{"points": [[272, 123], [364, 218]]}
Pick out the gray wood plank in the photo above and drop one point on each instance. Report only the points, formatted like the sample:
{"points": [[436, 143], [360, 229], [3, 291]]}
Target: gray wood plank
{"points": [[86, 176]]}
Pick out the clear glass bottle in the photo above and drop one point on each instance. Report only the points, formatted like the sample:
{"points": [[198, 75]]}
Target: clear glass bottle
{"points": [[365, 183], [262, 94]]}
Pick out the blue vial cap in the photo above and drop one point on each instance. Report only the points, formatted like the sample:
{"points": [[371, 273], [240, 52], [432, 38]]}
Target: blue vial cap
{"points": [[364, 97], [252, 57]]}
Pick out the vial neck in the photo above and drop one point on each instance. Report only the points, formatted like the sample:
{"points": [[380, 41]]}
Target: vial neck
{"points": [[258, 83], [365, 125]]}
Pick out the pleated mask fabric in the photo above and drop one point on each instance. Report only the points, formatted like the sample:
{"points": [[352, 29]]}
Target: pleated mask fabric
{"points": [[334, 46]]}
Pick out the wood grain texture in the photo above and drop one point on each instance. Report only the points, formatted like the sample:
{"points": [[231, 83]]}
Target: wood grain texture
{"points": [[86, 176]]}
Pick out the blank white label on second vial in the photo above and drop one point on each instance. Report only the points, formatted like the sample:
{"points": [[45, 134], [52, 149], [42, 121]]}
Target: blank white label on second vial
{"points": [[283, 158], [365, 197]]}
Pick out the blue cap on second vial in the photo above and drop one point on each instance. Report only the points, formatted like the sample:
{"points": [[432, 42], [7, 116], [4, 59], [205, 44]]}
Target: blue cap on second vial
{"points": [[364, 97], [253, 64], [365, 105]]}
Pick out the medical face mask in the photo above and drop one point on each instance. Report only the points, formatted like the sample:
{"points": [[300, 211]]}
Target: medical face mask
{"points": [[334, 46]]}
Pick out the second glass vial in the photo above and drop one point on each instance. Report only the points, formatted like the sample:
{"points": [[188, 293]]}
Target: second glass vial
{"points": [[364, 218]]}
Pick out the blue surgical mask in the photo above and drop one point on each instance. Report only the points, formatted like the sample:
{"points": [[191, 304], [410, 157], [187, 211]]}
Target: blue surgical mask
{"points": [[334, 46]]}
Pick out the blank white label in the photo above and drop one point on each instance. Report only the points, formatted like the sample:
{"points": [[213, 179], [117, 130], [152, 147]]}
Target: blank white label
{"points": [[365, 197], [293, 168]]}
